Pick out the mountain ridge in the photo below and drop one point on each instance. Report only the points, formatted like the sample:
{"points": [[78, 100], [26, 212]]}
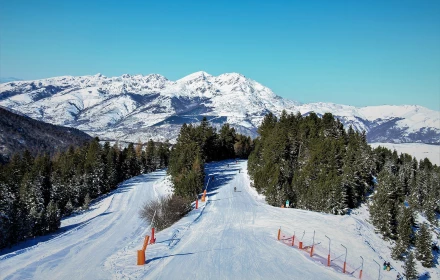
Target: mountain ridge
{"points": [[20, 133], [133, 107]]}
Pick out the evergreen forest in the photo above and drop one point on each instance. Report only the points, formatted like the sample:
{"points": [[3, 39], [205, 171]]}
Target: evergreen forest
{"points": [[36, 192]]}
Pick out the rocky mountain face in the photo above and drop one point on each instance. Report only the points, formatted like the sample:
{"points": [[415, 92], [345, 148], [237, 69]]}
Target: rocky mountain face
{"points": [[133, 108], [19, 133]]}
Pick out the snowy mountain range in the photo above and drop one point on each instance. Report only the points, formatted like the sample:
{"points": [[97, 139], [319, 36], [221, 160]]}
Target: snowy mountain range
{"points": [[138, 107]]}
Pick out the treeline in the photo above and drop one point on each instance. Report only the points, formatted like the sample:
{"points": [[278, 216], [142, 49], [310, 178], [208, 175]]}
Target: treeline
{"points": [[35, 192], [317, 165], [197, 145]]}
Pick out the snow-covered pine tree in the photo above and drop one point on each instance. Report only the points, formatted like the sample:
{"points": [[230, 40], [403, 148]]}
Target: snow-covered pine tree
{"points": [[53, 217], [423, 246], [68, 209], [94, 169], [6, 213], [32, 198], [404, 232], [86, 202], [383, 207], [410, 267]]}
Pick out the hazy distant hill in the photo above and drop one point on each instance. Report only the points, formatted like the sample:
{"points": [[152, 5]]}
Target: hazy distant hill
{"points": [[9, 79], [18, 133]]}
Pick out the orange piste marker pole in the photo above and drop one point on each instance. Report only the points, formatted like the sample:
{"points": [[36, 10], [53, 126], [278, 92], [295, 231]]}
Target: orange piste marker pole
{"points": [[279, 233], [140, 257], [147, 238], [311, 252], [197, 203], [300, 245], [293, 240], [345, 265], [328, 260], [360, 274]]}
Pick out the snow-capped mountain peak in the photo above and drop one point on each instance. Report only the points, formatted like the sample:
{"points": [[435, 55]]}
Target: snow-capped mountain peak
{"points": [[132, 107], [195, 77]]}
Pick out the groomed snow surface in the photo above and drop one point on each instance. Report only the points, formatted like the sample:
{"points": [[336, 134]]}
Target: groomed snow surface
{"points": [[233, 235]]}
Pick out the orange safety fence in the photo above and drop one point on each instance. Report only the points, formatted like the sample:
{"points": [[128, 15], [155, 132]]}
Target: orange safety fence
{"points": [[317, 249]]}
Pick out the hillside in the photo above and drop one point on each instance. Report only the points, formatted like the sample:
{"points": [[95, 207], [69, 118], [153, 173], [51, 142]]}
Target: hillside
{"points": [[19, 133], [137, 107], [231, 236]]}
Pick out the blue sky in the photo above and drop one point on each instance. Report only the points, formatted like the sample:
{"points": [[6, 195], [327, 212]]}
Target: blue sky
{"points": [[350, 52]]}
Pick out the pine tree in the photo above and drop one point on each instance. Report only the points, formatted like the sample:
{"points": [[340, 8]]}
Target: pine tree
{"points": [[86, 202], [163, 155], [226, 139], [6, 213], [423, 246], [53, 217], [94, 169], [130, 166], [410, 267], [113, 172], [32, 199], [68, 209], [383, 207], [150, 157], [404, 233]]}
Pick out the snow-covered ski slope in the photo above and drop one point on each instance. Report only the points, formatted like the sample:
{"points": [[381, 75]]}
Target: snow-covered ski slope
{"points": [[233, 235]]}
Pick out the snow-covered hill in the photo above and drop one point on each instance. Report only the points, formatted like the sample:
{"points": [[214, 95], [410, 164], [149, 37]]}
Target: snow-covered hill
{"points": [[233, 235], [141, 107]]}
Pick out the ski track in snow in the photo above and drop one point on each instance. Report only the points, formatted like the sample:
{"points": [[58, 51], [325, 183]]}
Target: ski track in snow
{"points": [[233, 235]]}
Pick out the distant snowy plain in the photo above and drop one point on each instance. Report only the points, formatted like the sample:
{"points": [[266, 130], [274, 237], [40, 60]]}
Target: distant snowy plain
{"points": [[417, 150]]}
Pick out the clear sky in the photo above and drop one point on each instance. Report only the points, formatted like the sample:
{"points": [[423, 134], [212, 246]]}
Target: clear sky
{"points": [[349, 52]]}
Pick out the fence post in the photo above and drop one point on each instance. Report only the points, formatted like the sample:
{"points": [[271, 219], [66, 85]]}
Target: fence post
{"points": [[313, 244], [293, 239], [152, 240], [345, 261], [362, 267], [279, 233], [301, 243], [328, 257]]}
